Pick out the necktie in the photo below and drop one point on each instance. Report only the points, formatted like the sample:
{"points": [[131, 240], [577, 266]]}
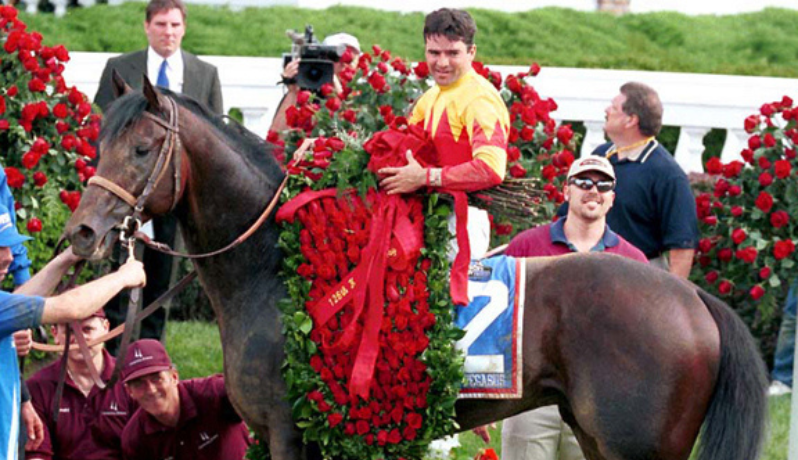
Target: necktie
{"points": [[163, 79]]}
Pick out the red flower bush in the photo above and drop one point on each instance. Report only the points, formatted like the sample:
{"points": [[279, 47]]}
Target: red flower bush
{"points": [[746, 222], [46, 128]]}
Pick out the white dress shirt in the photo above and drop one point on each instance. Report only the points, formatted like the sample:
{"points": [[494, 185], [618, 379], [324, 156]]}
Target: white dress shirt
{"points": [[174, 69]]}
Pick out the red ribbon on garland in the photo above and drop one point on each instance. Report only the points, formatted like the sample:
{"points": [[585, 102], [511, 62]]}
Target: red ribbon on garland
{"points": [[364, 286]]}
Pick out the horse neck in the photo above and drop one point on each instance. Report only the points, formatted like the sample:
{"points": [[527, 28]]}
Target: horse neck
{"points": [[224, 196]]}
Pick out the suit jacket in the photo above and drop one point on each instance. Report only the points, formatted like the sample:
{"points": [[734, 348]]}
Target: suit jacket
{"points": [[200, 79]]}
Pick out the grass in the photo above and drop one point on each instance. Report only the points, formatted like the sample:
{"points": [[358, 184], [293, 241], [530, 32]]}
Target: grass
{"points": [[196, 349], [762, 43]]}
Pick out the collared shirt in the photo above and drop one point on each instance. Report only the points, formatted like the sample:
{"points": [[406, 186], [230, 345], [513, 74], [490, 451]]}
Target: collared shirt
{"points": [[17, 312], [174, 68], [654, 205], [89, 427], [550, 240], [208, 428]]}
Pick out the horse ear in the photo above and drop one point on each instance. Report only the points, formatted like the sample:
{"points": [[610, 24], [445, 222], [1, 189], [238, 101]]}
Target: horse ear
{"points": [[151, 95], [120, 86]]}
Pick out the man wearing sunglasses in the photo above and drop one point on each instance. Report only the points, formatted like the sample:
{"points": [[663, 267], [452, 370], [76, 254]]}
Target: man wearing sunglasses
{"points": [[541, 434]]}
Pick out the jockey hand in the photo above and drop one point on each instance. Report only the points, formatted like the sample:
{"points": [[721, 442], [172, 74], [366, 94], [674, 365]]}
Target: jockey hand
{"points": [[405, 179], [23, 342], [482, 432]]}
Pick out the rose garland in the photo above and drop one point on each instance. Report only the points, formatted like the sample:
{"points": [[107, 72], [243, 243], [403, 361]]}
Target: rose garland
{"points": [[404, 408]]}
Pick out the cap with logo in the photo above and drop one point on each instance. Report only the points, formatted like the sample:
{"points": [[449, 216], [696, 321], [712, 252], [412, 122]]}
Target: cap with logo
{"points": [[8, 231], [342, 39], [591, 163], [146, 356]]}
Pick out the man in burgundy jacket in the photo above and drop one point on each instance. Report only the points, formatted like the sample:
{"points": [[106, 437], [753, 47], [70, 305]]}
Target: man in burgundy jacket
{"points": [[177, 420], [90, 420]]}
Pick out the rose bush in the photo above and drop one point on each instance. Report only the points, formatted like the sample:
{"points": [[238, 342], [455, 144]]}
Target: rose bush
{"points": [[406, 407], [746, 254], [47, 131]]}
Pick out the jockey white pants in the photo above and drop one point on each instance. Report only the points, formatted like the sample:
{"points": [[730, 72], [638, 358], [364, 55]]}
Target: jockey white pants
{"points": [[478, 233]]}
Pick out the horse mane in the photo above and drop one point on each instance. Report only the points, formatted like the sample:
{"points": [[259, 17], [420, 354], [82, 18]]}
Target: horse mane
{"points": [[129, 108]]}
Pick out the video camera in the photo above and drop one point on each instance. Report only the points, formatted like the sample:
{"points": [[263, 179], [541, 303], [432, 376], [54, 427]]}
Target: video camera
{"points": [[317, 61]]}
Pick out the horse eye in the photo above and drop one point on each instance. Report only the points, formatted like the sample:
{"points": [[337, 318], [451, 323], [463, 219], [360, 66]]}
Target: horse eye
{"points": [[141, 151]]}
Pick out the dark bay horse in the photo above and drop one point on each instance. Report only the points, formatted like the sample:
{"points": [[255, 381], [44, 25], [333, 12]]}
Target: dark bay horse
{"points": [[636, 359]]}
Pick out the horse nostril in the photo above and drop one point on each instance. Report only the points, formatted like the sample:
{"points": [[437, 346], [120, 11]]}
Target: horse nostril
{"points": [[83, 238]]}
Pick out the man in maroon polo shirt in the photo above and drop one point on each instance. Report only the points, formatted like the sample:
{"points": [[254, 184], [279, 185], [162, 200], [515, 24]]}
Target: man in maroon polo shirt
{"points": [[91, 420], [541, 434], [177, 420]]}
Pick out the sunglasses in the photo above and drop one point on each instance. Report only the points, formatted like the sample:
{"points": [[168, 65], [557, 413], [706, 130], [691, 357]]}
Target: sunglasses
{"points": [[586, 183]]}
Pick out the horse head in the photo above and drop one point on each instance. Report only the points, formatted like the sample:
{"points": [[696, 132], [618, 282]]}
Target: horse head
{"points": [[139, 172]]}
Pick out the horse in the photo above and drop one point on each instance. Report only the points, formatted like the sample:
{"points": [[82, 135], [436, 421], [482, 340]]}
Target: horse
{"points": [[637, 360]]}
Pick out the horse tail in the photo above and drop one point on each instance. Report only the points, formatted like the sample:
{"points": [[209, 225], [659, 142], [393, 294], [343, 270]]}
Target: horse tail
{"points": [[735, 424]]}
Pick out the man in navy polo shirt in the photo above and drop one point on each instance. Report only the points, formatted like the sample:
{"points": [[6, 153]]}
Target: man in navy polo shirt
{"points": [[541, 434], [26, 309], [188, 420], [655, 208], [91, 420]]}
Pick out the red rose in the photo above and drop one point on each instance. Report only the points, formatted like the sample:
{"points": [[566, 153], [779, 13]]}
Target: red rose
{"points": [[333, 104], [362, 427], [486, 454], [35, 85], [735, 190], [769, 140], [725, 287], [30, 160], [779, 219], [327, 89], [765, 179], [349, 115], [747, 255], [764, 201], [12, 91], [394, 437], [751, 123], [60, 110], [302, 97], [764, 273], [377, 81], [565, 134], [782, 169], [711, 277], [513, 154], [738, 235], [732, 169], [335, 144], [39, 179], [705, 245], [754, 142], [783, 249], [710, 220], [2, 105], [767, 110], [534, 69], [4, 124], [737, 211], [517, 171], [764, 163], [714, 166], [748, 155], [421, 70], [34, 225], [756, 292], [334, 419], [725, 254]]}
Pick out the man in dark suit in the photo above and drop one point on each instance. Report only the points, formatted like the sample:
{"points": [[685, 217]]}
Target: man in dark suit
{"points": [[170, 67]]}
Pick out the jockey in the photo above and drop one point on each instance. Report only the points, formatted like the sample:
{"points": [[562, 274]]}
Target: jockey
{"points": [[465, 117]]}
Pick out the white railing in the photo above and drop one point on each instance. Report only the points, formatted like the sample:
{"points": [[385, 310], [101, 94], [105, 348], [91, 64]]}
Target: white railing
{"points": [[696, 103]]}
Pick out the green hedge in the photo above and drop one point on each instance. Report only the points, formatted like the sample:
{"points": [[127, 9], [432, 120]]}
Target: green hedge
{"points": [[762, 43]]}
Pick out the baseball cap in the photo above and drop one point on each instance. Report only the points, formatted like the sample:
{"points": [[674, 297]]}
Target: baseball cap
{"points": [[591, 163], [8, 231], [146, 356], [342, 39]]}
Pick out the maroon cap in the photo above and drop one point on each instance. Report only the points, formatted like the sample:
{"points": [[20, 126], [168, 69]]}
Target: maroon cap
{"points": [[146, 356]]}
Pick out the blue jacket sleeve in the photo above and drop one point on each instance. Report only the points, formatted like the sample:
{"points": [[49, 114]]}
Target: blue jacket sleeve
{"points": [[20, 267]]}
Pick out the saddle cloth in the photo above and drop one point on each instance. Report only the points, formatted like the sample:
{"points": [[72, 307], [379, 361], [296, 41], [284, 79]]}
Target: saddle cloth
{"points": [[492, 322]]}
